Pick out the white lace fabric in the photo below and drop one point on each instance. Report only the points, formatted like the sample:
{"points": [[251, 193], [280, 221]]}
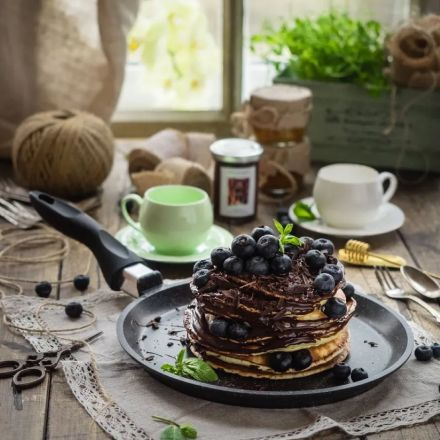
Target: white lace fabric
{"points": [[407, 397]]}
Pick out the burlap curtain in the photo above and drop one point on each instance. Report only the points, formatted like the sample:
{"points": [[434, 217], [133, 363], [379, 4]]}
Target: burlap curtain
{"points": [[60, 54]]}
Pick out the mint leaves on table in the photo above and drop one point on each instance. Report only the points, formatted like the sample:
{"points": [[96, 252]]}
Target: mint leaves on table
{"points": [[304, 212], [285, 236], [192, 367], [174, 431]]}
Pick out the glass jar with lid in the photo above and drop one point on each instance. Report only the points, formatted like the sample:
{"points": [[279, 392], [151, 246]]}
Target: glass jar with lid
{"points": [[236, 179]]}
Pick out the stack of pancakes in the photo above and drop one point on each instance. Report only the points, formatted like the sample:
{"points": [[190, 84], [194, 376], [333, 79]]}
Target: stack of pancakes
{"points": [[282, 314]]}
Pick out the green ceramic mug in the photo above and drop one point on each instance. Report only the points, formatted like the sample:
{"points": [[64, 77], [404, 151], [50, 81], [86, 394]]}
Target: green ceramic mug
{"points": [[175, 219]]}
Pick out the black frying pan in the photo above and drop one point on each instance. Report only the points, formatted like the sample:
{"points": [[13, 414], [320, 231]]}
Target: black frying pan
{"points": [[381, 340]]}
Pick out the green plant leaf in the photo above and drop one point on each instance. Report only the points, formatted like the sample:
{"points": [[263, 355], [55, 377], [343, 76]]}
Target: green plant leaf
{"points": [[291, 239], [188, 431], [168, 368], [180, 358], [303, 212], [288, 229], [278, 226], [172, 432], [199, 370], [331, 47]]}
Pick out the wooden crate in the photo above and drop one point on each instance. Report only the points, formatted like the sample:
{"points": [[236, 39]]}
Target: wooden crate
{"points": [[348, 125]]}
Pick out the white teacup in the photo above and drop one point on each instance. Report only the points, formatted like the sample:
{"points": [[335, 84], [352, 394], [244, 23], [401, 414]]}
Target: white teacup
{"points": [[350, 195]]}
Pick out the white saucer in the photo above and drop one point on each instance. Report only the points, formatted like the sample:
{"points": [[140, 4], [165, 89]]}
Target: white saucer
{"points": [[137, 243], [390, 218]]}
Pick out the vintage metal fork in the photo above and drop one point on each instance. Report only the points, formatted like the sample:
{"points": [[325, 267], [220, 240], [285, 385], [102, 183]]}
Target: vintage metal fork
{"points": [[10, 190], [16, 214], [392, 290]]}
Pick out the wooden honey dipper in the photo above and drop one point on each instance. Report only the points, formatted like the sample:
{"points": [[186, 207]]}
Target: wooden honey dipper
{"points": [[358, 252]]}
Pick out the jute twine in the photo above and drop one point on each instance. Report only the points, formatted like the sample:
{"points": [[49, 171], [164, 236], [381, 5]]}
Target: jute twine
{"points": [[67, 153], [17, 240]]}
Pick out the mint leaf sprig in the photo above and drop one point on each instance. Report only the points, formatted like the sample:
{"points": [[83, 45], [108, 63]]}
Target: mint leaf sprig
{"points": [[174, 431], [304, 212], [192, 367], [285, 236]]}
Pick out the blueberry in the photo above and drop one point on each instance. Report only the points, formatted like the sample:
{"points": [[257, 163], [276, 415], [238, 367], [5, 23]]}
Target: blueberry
{"points": [[280, 361], [218, 255], [257, 233], [423, 353], [203, 264], [341, 371], [315, 259], [81, 282], [268, 246], [201, 277], [281, 264], [257, 266], [301, 359], [237, 330], [243, 246], [43, 289], [306, 241], [219, 327], [358, 374], [233, 265], [73, 309], [436, 350], [348, 291], [292, 250], [324, 245], [335, 271], [324, 283], [335, 308]]}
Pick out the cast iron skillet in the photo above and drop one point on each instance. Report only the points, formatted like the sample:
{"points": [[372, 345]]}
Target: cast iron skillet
{"points": [[381, 340]]}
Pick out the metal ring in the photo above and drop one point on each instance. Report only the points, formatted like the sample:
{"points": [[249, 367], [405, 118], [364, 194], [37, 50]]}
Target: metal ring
{"points": [[10, 368], [39, 373]]}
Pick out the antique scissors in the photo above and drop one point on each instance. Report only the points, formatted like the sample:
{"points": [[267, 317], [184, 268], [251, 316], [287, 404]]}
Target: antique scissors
{"points": [[32, 371]]}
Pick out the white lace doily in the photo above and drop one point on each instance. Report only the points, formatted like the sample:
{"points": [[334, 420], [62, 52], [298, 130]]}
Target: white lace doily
{"points": [[408, 397]]}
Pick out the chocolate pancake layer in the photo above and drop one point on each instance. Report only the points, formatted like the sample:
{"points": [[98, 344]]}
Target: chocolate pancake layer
{"points": [[281, 314]]}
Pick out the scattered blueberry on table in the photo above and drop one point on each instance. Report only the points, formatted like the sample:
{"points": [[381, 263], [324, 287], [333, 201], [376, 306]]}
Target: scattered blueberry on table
{"points": [[436, 350], [81, 282], [73, 310], [43, 289], [423, 353]]}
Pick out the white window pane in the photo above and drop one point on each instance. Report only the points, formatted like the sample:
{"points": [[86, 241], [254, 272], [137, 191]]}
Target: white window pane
{"points": [[174, 57], [256, 73]]}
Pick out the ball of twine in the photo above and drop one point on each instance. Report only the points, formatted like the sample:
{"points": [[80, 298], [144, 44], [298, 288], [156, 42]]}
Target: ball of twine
{"points": [[67, 153]]}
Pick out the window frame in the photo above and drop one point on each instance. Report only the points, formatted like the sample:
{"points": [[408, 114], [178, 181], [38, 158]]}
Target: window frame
{"points": [[141, 124]]}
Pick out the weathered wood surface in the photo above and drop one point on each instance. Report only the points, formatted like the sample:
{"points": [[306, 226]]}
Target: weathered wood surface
{"points": [[51, 411]]}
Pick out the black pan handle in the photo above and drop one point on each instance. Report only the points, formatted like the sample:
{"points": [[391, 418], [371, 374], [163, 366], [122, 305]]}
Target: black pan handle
{"points": [[113, 257]]}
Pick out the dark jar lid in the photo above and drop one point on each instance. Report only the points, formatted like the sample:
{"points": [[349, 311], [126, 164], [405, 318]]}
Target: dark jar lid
{"points": [[236, 150]]}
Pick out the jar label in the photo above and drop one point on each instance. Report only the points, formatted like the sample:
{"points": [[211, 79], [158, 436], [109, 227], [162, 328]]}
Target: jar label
{"points": [[237, 191]]}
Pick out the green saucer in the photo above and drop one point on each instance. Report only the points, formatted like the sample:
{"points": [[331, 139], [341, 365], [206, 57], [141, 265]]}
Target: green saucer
{"points": [[137, 243]]}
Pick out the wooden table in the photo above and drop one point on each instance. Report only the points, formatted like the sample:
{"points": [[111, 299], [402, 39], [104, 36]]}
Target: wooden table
{"points": [[50, 410]]}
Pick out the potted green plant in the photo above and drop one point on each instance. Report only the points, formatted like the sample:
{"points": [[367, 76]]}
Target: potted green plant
{"points": [[358, 115]]}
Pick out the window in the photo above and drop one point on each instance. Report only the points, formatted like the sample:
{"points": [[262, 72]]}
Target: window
{"points": [[190, 63]]}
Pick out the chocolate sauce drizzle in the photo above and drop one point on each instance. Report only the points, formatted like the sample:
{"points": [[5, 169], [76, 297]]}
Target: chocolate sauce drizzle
{"points": [[271, 305]]}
